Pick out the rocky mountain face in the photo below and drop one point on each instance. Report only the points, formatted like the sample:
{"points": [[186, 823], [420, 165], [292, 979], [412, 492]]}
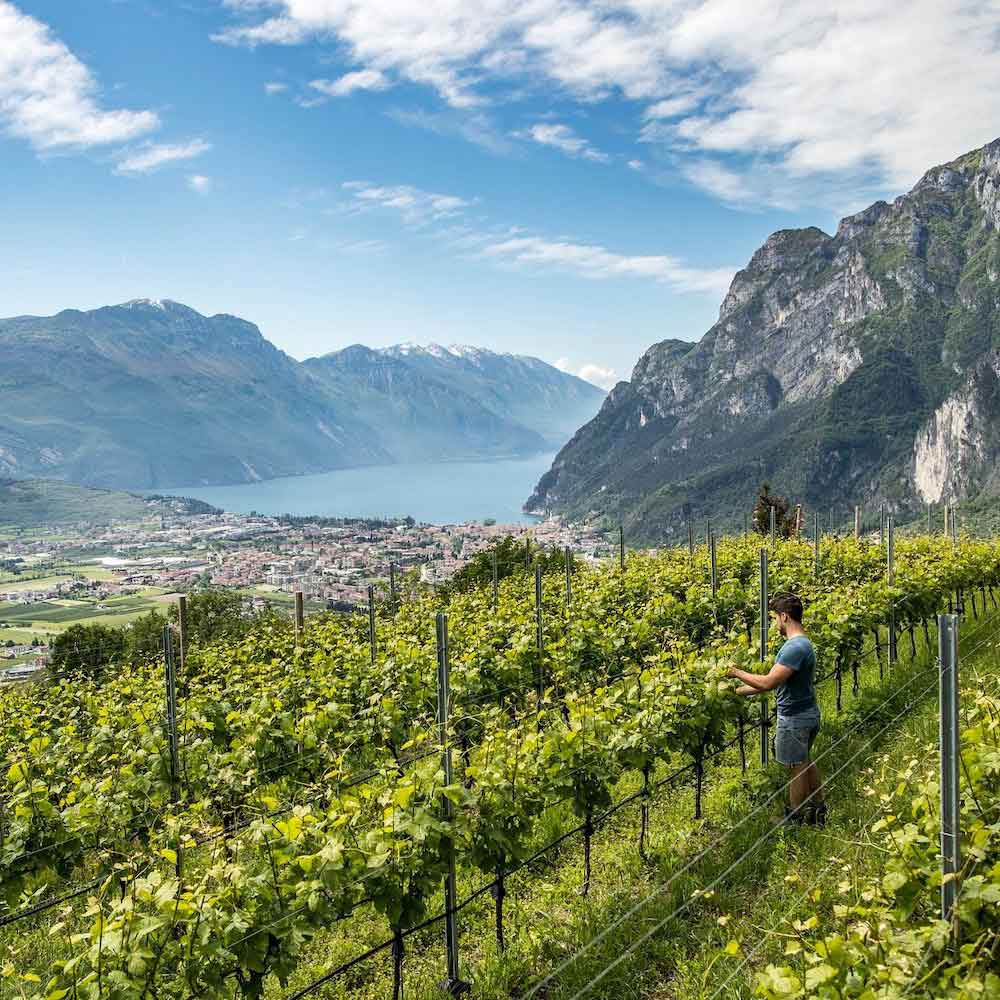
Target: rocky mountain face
{"points": [[153, 394], [844, 369]]}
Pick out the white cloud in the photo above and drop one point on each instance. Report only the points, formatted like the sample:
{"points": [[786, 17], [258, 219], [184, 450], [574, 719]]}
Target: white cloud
{"points": [[597, 262], [727, 185], [636, 165], [598, 375], [473, 126], [365, 79], [152, 156], [672, 107], [516, 246], [200, 183], [563, 138], [804, 90], [275, 87], [414, 205], [49, 97]]}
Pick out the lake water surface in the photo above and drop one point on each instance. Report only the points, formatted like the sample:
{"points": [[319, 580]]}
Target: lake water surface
{"points": [[436, 492]]}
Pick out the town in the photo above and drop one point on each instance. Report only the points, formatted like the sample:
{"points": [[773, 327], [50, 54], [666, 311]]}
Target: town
{"points": [[116, 572]]}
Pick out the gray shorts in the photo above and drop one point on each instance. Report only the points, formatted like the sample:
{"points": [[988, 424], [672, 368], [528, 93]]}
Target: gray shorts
{"points": [[793, 738]]}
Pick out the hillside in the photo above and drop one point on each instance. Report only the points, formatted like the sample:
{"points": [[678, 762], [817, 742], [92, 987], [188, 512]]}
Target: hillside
{"points": [[153, 394], [851, 368], [49, 502]]}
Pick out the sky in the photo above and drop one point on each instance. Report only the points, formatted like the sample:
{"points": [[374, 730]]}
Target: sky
{"points": [[569, 179]]}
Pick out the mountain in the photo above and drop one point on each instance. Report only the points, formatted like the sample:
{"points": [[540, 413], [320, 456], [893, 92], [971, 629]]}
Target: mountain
{"points": [[852, 368], [415, 416], [428, 401], [152, 394], [524, 389]]}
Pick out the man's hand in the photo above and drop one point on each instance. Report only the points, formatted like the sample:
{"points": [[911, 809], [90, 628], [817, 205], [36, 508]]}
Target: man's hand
{"points": [[778, 674], [731, 670]]}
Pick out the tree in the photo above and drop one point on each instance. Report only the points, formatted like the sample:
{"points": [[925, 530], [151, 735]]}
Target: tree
{"points": [[144, 637], [215, 615], [87, 650], [784, 518]]}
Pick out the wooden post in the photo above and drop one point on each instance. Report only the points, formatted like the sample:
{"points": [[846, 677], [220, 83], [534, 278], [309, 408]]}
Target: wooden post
{"points": [[857, 523], [300, 618]]}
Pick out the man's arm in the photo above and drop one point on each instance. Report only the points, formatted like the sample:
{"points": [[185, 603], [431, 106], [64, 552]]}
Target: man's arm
{"points": [[758, 683]]}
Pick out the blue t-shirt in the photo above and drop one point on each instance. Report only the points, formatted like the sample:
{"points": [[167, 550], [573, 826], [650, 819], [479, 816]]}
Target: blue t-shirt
{"points": [[797, 694]]}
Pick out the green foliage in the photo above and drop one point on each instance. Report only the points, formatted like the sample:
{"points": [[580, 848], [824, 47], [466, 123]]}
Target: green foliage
{"points": [[514, 557], [87, 650], [215, 616], [887, 940], [632, 676], [784, 516]]}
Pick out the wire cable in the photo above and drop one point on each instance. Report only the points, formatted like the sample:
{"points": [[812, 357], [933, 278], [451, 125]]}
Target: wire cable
{"points": [[715, 843]]}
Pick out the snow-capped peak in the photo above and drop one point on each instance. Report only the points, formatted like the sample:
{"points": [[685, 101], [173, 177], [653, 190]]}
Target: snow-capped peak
{"points": [[467, 350], [149, 303], [406, 347]]}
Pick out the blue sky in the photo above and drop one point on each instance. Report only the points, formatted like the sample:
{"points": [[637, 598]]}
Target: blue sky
{"points": [[563, 178]]}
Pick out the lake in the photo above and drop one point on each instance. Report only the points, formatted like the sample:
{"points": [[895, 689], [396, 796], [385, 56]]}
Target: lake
{"points": [[435, 492]]}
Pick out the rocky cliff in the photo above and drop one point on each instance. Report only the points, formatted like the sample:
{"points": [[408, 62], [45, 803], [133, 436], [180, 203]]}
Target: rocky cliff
{"points": [[843, 368]]}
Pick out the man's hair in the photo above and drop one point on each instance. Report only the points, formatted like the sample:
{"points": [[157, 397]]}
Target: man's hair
{"points": [[787, 603]]}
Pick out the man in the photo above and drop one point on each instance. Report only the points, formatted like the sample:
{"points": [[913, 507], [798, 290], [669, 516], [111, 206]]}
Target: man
{"points": [[798, 711]]}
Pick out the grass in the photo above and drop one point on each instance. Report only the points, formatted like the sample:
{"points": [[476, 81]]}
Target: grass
{"points": [[22, 635], [50, 613], [21, 622], [19, 584]]}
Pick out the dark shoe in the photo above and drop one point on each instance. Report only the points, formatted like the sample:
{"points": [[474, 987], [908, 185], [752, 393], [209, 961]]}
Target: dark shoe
{"points": [[817, 815], [790, 816]]}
